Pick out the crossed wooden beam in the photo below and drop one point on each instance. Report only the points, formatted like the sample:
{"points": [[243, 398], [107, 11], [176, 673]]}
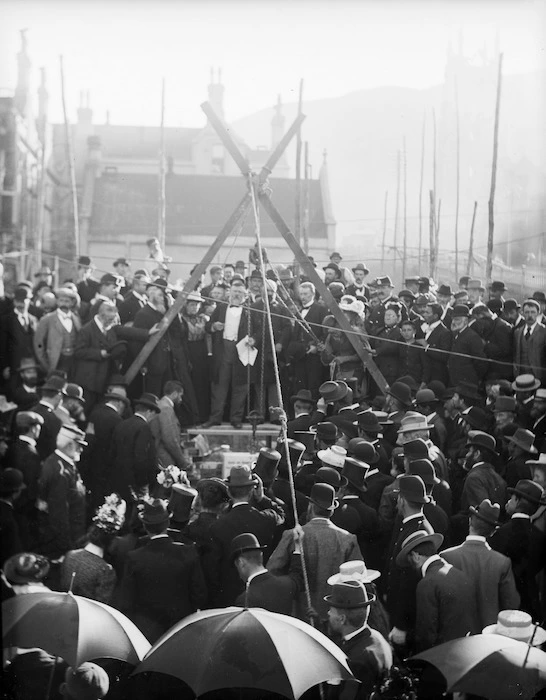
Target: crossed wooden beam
{"points": [[262, 195]]}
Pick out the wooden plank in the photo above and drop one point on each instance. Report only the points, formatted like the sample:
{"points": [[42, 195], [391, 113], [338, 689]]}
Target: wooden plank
{"points": [[188, 287], [323, 290], [220, 128]]}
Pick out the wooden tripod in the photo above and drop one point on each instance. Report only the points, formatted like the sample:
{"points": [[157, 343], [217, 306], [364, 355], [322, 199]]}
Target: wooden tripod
{"points": [[257, 182]]}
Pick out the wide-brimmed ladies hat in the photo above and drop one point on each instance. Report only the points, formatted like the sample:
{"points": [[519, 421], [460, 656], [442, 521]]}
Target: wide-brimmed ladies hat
{"points": [[350, 303]]}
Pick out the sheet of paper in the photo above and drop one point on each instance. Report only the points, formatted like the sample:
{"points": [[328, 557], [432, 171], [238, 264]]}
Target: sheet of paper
{"points": [[247, 354]]}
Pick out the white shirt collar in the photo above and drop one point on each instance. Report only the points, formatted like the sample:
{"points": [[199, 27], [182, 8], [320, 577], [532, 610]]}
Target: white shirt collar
{"points": [[434, 557], [477, 538], [156, 537], [169, 401], [521, 516], [46, 403], [531, 328], [141, 416], [239, 503], [63, 314], [26, 438], [98, 551], [64, 457], [256, 573], [371, 472], [353, 634], [30, 389], [411, 517], [141, 297], [100, 325]]}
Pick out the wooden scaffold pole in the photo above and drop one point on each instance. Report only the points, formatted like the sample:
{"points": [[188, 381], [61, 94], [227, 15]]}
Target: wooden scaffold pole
{"points": [[490, 235]]}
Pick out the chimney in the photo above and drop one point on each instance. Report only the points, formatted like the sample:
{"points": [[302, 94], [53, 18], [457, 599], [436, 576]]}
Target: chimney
{"points": [[85, 113], [277, 124], [216, 93]]}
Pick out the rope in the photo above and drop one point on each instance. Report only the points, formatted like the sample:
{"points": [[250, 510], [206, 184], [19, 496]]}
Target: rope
{"points": [[284, 436]]}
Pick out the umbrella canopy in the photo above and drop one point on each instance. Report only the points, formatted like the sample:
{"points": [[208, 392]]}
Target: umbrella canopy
{"points": [[73, 627], [489, 665], [246, 648]]}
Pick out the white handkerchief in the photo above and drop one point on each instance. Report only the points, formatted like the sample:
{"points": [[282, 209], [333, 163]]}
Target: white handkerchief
{"points": [[247, 354]]}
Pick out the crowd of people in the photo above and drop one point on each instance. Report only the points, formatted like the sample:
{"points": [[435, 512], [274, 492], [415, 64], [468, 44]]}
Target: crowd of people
{"points": [[395, 520]]}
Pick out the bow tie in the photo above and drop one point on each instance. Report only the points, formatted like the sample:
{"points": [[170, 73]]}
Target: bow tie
{"points": [[308, 306]]}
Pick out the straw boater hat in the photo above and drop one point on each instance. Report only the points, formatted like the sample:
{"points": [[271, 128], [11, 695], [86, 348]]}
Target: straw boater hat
{"points": [[333, 456], [354, 571], [518, 625]]}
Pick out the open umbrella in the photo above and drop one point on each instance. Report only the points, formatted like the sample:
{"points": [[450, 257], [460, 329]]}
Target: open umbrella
{"points": [[72, 627], [246, 648], [489, 665]]}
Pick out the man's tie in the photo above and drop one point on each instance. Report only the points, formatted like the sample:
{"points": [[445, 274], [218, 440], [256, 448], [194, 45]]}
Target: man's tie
{"points": [[527, 333]]}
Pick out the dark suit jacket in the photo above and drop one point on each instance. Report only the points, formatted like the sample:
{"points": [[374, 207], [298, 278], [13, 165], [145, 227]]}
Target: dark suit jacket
{"points": [[490, 574], [467, 369], [303, 423], [16, 342], [23, 456], [9, 532], [436, 355], [402, 581], [222, 578], [273, 593], [129, 308], [47, 442], [499, 350], [375, 483], [133, 456], [23, 398], [159, 360], [95, 462], [537, 352], [92, 370], [162, 583], [315, 315], [444, 605], [369, 656]]}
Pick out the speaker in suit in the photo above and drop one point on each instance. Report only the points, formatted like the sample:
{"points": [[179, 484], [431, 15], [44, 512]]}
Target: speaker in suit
{"points": [[162, 583]]}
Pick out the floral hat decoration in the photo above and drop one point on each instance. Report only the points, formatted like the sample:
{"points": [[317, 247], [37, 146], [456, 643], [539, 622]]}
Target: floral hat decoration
{"points": [[110, 516]]}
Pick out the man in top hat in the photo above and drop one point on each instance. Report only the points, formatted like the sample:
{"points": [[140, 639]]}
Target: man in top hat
{"points": [[525, 386], [17, 330], [163, 581], [252, 511], [304, 415], [303, 351], [12, 486], [520, 449], [482, 480], [522, 543], [467, 359], [368, 653], [62, 494], [497, 289], [51, 392], [135, 299], [326, 546], [359, 289], [489, 572], [263, 589], [402, 581], [444, 594], [538, 419], [541, 298], [166, 427], [530, 343], [55, 336], [498, 341], [134, 456]]}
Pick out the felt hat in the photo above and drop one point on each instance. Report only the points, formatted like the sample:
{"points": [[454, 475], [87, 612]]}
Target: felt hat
{"points": [[445, 290], [524, 439], [355, 471], [295, 450], [160, 283], [335, 254], [518, 625], [511, 305], [463, 281], [425, 469], [333, 391], [323, 496], [26, 419], [149, 401], [109, 278], [154, 512], [333, 456], [486, 511], [332, 266], [84, 261], [383, 417], [365, 452], [27, 363], [368, 423], [475, 283], [425, 396], [409, 424], [349, 595], [266, 466], [477, 418], [213, 488], [74, 391], [325, 430], [329, 475], [121, 261], [525, 382], [113, 396], [416, 538], [412, 488], [53, 383], [71, 432], [181, 502], [539, 296], [360, 266], [416, 449], [437, 387], [495, 305], [355, 570], [406, 294], [240, 476], [504, 404], [402, 392], [245, 542], [540, 462], [302, 395], [11, 480], [529, 490], [215, 268], [467, 390], [497, 286], [26, 568], [484, 441], [460, 310]]}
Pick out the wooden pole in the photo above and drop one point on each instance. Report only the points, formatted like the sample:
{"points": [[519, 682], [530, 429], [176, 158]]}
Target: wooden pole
{"points": [[489, 264], [305, 222], [458, 182], [161, 200], [71, 166], [434, 153], [471, 244], [297, 217], [405, 241], [384, 231], [421, 188], [395, 237], [437, 231], [40, 197], [432, 235]]}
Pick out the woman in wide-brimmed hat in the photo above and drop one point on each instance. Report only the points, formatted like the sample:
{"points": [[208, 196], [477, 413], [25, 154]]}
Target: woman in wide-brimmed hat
{"points": [[193, 322], [338, 351]]}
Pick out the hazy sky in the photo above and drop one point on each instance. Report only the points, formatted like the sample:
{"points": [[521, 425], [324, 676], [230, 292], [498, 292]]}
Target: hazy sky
{"points": [[120, 50]]}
